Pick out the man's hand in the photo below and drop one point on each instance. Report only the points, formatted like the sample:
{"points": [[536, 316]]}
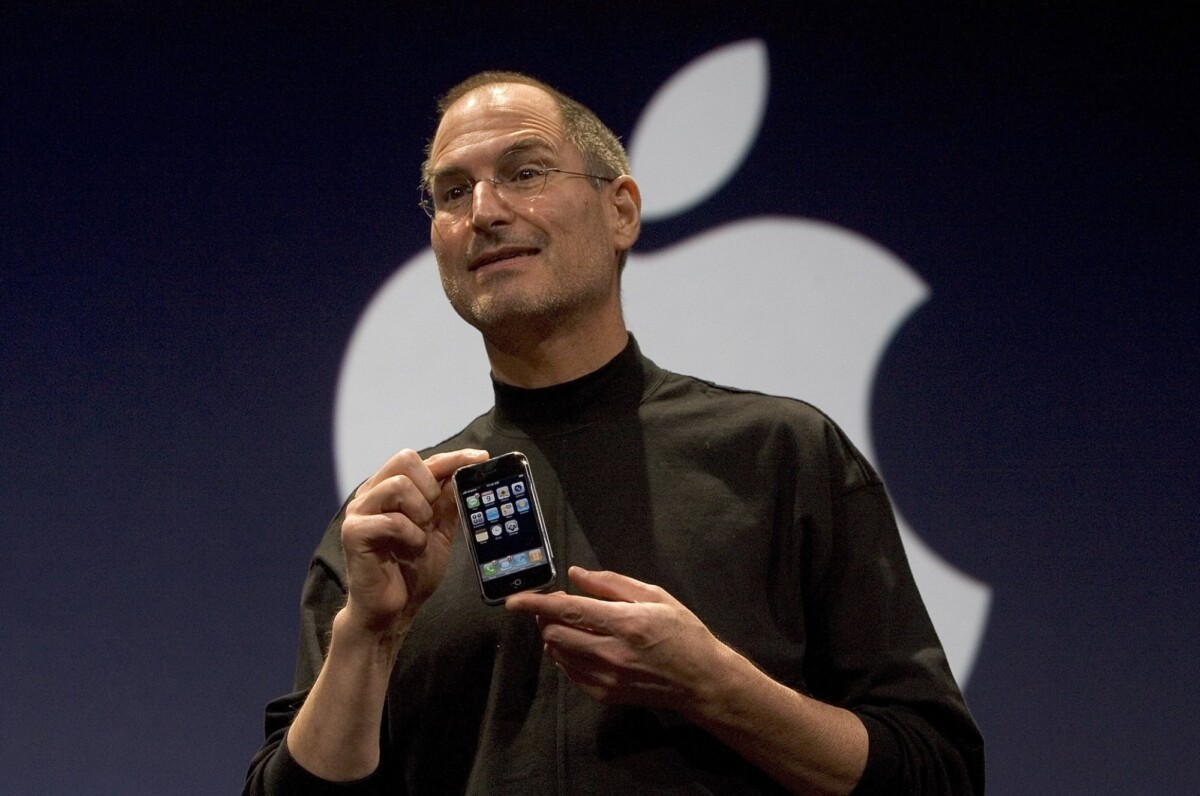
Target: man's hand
{"points": [[396, 536], [636, 645]]}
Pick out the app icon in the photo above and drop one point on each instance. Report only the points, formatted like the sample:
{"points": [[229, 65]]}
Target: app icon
{"points": [[472, 501], [481, 536], [535, 555], [493, 514], [488, 498], [518, 488], [489, 569], [477, 518], [507, 509], [496, 530], [511, 526], [506, 564], [502, 492], [522, 505], [521, 560]]}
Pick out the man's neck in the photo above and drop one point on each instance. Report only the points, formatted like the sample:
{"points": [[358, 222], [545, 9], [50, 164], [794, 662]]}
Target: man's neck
{"points": [[556, 358]]}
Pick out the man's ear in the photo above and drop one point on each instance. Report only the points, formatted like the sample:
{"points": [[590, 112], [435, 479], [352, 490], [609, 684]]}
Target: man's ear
{"points": [[626, 212]]}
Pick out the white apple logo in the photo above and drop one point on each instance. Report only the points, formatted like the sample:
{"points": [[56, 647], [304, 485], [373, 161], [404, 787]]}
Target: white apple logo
{"points": [[784, 305]]}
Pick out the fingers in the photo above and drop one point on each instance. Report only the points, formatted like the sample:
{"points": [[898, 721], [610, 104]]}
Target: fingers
{"points": [[392, 509], [607, 595], [571, 611], [614, 586], [406, 483], [557, 606], [401, 494], [390, 534], [405, 464], [427, 473]]}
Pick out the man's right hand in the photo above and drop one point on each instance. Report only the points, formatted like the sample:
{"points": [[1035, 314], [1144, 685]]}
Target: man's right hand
{"points": [[396, 536]]}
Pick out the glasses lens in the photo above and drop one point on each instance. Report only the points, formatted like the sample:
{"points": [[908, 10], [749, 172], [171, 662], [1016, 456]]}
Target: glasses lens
{"points": [[525, 182]]}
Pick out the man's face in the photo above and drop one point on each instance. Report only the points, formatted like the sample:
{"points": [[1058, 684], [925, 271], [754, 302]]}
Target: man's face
{"points": [[544, 260]]}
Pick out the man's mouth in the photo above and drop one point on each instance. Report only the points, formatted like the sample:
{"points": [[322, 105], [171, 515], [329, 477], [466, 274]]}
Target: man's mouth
{"points": [[499, 255]]}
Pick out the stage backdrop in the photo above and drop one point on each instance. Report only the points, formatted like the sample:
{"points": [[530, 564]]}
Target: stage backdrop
{"points": [[966, 232]]}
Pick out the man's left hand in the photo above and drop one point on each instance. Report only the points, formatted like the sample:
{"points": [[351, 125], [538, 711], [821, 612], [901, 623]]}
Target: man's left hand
{"points": [[626, 642]]}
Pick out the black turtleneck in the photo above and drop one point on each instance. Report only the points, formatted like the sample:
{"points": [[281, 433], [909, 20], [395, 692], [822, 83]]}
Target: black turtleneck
{"points": [[753, 511], [616, 387]]}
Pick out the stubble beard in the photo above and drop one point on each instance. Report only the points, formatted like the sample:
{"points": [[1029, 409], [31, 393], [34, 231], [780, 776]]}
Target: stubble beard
{"points": [[505, 314]]}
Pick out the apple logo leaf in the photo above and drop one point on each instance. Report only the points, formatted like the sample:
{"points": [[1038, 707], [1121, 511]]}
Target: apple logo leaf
{"points": [[719, 99]]}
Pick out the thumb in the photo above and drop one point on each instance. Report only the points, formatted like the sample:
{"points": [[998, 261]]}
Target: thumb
{"points": [[443, 465]]}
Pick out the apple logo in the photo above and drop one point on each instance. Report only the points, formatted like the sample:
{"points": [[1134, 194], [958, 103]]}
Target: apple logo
{"points": [[812, 322]]}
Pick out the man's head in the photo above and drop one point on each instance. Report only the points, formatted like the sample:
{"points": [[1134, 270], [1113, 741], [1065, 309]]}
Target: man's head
{"points": [[551, 257]]}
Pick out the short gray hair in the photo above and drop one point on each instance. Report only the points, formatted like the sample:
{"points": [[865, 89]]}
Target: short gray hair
{"points": [[603, 154]]}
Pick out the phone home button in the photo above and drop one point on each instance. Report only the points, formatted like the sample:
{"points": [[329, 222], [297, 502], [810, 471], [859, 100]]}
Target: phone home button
{"points": [[516, 583]]}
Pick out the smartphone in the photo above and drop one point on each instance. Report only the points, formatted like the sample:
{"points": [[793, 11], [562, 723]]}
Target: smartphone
{"points": [[506, 532]]}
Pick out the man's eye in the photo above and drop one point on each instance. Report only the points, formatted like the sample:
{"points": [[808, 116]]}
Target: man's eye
{"points": [[454, 193], [528, 174]]}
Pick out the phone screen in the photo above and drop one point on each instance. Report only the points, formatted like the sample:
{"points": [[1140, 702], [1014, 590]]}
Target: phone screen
{"points": [[504, 525]]}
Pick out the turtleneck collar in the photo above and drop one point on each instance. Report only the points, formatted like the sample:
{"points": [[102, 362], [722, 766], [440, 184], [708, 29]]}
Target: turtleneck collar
{"points": [[617, 386]]}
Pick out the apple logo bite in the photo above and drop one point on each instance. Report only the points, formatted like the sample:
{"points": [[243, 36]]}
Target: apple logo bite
{"points": [[784, 305]]}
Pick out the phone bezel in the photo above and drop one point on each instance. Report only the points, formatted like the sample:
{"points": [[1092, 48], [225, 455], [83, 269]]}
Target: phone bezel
{"points": [[514, 463]]}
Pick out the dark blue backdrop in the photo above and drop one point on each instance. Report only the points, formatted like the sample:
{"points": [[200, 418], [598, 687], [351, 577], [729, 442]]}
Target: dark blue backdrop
{"points": [[198, 201]]}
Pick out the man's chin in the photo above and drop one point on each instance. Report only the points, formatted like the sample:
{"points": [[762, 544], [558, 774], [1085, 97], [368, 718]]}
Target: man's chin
{"points": [[502, 317]]}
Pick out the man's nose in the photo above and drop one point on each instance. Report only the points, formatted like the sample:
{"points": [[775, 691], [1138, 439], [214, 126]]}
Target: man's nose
{"points": [[489, 206]]}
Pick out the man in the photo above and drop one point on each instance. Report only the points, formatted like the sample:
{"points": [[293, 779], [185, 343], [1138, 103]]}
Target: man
{"points": [[738, 615]]}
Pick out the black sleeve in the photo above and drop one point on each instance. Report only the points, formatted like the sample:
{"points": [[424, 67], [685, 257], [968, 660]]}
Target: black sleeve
{"points": [[323, 595], [273, 772], [874, 650]]}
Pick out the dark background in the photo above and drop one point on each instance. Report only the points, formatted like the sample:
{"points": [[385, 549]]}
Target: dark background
{"points": [[198, 200]]}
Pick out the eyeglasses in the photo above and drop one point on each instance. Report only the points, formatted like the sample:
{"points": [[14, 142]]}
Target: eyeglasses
{"points": [[450, 197]]}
